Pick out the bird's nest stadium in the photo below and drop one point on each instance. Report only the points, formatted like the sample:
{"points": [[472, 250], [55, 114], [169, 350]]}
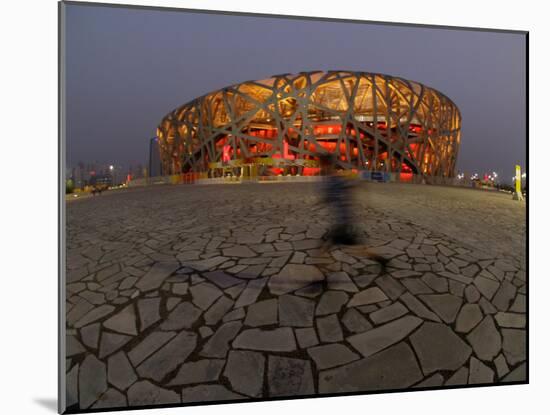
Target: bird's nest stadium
{"points": [[283, 124]]}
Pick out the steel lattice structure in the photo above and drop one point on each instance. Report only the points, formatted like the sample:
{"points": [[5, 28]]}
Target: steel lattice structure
{"points": [[369, 121]]}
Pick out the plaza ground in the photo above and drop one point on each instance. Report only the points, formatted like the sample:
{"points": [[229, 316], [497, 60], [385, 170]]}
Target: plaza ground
{"points": [[191, 293]]}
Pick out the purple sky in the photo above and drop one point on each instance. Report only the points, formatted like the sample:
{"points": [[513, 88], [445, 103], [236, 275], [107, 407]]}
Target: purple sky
{"points": [[127, 68]]}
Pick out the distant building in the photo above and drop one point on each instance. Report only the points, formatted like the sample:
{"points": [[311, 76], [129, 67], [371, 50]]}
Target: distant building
{"points": [[369, 121], [154, 158]]}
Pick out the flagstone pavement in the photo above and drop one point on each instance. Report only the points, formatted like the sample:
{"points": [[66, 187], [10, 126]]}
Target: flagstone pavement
{"points": [[180, 294]]}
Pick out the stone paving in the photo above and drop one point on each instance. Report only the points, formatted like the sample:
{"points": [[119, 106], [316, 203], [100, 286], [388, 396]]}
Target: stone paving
{"points": [[180, 294]]}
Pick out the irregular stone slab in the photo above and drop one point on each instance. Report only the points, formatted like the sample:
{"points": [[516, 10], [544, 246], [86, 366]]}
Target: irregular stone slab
{"points": [[331, 355], [262, 248], [369, 296], [234, 291], [439, 348], [207, 370], [519, 305], [218, 344], [204, 295], [180, 288], [399, 264], [385, 251], [501, 365], [331, 302], [156, 275], [182, 317], [470, 271], [505, 265], [149, 345], [460, 377], [306, 244], [92, 381], [111, 399], [171, 302], [279, 261], [188, 255], [485, 339], [416, 286], [456, 277], [237, 314], [511, 320], [379, 338], [148, 311], [107, 272], [263, 313], [445, 306], [295, 311], [127, 284], [251, 292], [341, 256], [418, 308], [329, 329], [479, 373], [486, 306], [168, 357], [439, 284], [250, 237], [504, 296], [472, 294], [146, 393], [341, 281], [468, 317], [252, 271], [388, 313], [207, 264], [431, 382], [276, 340], [73, 346], [241, 251], [78, 311], [96, 314], [394, 368], [499, 274], [245, 372], [514, 345], [486, 287], [93, 297], [519, 374], [364, 280], [289, 377], [293, 277], [355, 322], [221, 279], [404, 273], [218, 310], [311, 290], [71, 382], [306, 337], [120, 372], [111, 342], [207, 393], [390, 286], [123, 322], [205, 331]]}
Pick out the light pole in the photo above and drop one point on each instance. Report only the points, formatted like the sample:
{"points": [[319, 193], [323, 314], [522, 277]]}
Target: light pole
{"points": [[112, 170], [517, 192]]}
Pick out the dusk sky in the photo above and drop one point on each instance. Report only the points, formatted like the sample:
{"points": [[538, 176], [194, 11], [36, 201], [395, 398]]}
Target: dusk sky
{"points": [[127, 68]]}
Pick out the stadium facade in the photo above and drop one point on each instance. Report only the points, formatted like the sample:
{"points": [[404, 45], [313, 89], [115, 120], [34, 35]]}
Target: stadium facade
{"points": [[281, 125]]}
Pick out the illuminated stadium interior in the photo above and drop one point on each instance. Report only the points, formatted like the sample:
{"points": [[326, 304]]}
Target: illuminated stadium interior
{"points": [[282, 124]]}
